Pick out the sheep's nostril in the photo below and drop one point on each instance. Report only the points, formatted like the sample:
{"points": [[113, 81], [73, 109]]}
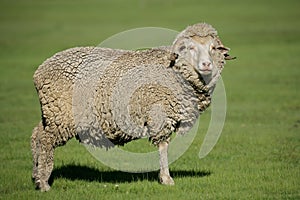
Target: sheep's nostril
{"points": [[206, 64]]}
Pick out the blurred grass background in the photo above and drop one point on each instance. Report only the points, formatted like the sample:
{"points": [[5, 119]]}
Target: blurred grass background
{"points": [[257, 156]]}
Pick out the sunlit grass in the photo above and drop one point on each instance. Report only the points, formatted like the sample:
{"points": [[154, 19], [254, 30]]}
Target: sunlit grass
{"points": [[258, 154]]}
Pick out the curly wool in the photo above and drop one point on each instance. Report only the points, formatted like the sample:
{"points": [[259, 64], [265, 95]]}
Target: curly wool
{"points": [[76, 102], [166, 91], [55, 79], [200, 29]]}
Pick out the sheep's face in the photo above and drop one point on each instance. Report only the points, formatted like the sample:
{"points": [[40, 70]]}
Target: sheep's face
{"points": [[197, 52]]}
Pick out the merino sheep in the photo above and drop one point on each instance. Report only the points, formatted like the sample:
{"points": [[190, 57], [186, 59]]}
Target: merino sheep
{"points": [[79, 91]]}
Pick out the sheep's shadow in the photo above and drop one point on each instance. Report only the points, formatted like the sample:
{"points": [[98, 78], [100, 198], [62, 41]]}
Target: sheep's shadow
{"points": [[76, 172]]}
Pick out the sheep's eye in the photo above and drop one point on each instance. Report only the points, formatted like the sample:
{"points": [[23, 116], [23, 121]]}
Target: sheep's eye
{"points": [[192, 48], [181, 48]]}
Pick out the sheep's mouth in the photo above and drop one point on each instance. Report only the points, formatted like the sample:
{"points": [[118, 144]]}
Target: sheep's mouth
{"points": [[205, 71]]}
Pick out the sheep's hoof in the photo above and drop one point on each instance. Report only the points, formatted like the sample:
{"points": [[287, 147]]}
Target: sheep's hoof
{"points": [[166, 180], [44, 187]]}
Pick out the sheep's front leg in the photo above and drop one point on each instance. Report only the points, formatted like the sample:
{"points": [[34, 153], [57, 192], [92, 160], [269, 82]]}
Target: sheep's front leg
{"points": [[164, 174]]}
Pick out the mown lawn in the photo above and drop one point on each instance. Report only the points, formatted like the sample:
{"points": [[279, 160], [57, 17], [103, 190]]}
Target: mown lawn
{"points": [[258, 154]]}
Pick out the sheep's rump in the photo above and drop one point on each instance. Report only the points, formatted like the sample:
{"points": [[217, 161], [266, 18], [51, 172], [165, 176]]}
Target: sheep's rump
{"points": [[108, 97]]}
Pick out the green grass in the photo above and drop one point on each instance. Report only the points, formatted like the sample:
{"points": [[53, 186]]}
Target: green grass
{"points": [[258, 154]]}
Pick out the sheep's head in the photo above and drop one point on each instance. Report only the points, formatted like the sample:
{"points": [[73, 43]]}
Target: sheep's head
{"points": [[197, 52], [198, 49]]}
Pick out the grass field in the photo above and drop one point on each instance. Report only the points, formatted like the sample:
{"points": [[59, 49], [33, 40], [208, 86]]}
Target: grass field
{"points": [[258, 154]]}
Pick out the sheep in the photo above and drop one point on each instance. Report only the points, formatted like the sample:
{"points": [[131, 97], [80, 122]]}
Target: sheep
{"points": [[79, 92]]}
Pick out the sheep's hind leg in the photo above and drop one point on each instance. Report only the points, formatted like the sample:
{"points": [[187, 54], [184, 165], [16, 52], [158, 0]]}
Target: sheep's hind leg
{"points": [[45, 163], [35, 148], [164, 174]]}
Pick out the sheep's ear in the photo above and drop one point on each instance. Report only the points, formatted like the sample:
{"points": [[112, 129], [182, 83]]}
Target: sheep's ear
{"points": [[224, 51], [228, 57]]}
